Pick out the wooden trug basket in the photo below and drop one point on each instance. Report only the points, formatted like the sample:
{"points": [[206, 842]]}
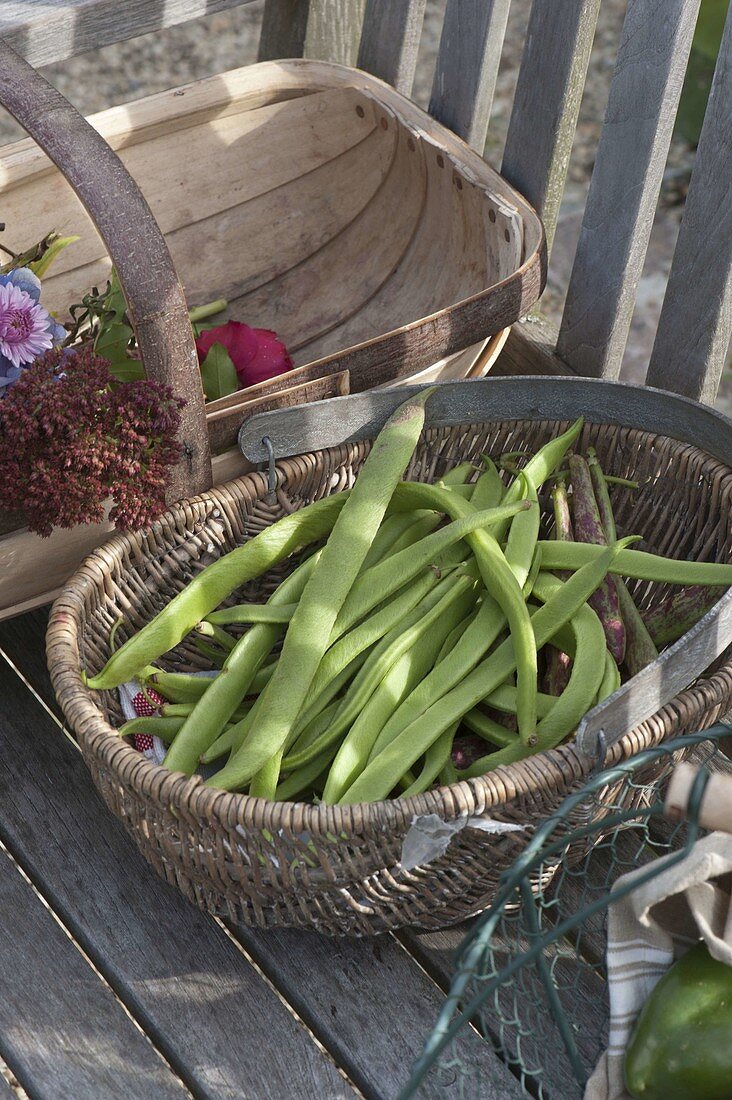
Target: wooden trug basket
{"points": [[315, 198], [338, 868]]}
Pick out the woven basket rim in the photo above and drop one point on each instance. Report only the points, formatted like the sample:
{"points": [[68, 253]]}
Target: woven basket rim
{"points": [[545, 771]]}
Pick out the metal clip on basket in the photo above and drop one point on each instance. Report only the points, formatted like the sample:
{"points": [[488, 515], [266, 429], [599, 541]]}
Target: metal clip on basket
{"points": [[531, 972]]}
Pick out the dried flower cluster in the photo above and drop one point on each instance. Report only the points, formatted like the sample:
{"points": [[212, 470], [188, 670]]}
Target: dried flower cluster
{"points": [[71, 436]]}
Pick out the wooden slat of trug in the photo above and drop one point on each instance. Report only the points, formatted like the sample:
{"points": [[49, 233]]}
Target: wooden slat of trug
{"points": [[467, 66], [390, 40], [62, 1031], [547, 102], [631, 154], [695, 327], [184, 980], [46, 32], [325, 29], [347, 989]]}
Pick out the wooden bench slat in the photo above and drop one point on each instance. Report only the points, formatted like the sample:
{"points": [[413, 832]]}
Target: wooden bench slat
{"points": [[23, 640], [349, 989], [177, 971], [326, 29], [390, 40], [467, 66], [694, 331], [644, 95], [43, 32], [62, 1030], [547, 102]]}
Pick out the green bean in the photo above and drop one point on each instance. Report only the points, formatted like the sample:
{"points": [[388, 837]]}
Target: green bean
{"points": [[533, 574], [501, 584], [164, 728], [415, 739], [178, 687], [318, 703], [221, 637], [332, 579], [212, 653], [477, 639], [610, 680], [379, 582], [504, 699], [416, 659], [489, 488], [206, 591], [487, 728], [376, 627], [176, 710], [448, 774], [576, 699], [390, 532], [636, 564], [252, 613], [303, 778], [523, 535], [459, 592], [435, 760], [539, 468], [225, 693]]}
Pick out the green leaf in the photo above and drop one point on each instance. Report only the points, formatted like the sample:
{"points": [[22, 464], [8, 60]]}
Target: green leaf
{"points": [[55, 247], [218, 373], [112, 343], [709, 27]]}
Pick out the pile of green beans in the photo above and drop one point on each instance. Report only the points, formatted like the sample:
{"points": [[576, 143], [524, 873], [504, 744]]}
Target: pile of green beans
{"points": [[433, 635]]}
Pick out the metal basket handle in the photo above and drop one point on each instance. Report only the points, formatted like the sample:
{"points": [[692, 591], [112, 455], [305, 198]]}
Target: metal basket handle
{"points": [[155, 298], [715, 810]]}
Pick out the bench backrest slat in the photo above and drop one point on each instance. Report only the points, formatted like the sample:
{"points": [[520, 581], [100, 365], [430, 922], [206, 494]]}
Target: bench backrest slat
{"points": [[547, 102], [695, 328], [329, 30], [642, 104], [467, 66], [390, 41], [45, 32]]}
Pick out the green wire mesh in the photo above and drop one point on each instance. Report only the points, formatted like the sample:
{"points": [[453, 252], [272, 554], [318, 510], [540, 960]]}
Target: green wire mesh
{"points": [[530, 975]]}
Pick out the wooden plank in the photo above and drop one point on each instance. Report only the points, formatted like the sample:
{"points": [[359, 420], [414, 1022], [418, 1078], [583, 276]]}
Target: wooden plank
{"points": [[390, 41], [631, 154], [436, 952], [177, 971], [467, 66], [284, 26], [325, 29], [531, 349], [345, 989], [23, 641], [62, 1030], [48, 32], [547, 101], [694, 331]]}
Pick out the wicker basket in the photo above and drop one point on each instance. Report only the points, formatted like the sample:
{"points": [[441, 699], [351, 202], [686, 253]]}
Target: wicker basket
{"points": [[338, 868], [315, 198]]}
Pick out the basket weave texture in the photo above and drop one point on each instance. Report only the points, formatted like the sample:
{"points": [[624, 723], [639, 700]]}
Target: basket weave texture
{"points": [[337, 869]]}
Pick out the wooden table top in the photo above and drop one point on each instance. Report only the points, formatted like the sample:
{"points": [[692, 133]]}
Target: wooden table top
{"points": [[113, 985]]}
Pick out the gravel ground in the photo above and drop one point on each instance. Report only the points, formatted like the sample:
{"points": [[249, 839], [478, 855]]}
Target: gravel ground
{"points": [[151, 63]]}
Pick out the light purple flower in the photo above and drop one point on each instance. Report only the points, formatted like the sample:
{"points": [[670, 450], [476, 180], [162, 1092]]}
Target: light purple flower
{"points": [[24, 326]]}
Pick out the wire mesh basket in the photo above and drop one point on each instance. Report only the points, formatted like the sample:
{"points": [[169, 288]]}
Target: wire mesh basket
{"points": [[530, 975]]}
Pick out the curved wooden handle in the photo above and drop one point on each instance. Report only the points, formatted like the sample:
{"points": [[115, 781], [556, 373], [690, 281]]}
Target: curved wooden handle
{"points": [[155, 299], [715, 811]]}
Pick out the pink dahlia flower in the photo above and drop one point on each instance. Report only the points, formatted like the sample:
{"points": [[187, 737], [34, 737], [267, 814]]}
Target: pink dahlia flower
{"points": [[24, 326]]}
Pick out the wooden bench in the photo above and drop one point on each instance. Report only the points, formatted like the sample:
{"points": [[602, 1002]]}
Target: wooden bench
{"points": [[111, 984]]}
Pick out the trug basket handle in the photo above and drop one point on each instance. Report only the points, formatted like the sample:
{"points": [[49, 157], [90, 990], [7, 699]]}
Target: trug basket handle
{"points": [[155, 299]]}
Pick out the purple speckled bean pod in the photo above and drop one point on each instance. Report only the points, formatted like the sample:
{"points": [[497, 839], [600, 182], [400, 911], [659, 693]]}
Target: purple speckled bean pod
{"points": [[559, 664], [677, 613], [588, 528], [639, 647]]}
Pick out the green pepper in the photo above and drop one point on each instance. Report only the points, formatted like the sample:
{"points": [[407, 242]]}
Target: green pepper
{"points": [[681, 1048]]}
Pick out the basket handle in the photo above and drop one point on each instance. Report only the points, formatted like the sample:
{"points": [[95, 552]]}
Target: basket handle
{"points": [[155, 299], [715, 809]]}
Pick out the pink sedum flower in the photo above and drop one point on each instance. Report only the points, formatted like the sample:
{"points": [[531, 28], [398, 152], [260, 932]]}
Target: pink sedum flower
{"points": [[24, 326]]}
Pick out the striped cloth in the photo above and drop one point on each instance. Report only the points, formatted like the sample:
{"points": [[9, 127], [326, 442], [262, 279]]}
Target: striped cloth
{"points": [[648, 929]]}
